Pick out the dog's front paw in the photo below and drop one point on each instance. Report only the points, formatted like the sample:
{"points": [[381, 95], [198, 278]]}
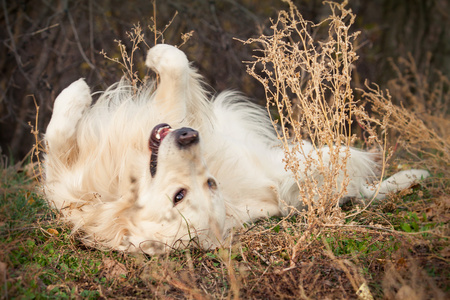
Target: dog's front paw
{"points": [[167, 60], [68, 109], [73, 100]]}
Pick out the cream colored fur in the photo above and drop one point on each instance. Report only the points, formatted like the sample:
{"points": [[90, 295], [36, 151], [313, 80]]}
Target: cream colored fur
{"points": [[97, 163]]}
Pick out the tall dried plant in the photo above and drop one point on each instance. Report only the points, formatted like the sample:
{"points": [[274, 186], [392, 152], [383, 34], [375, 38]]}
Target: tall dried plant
{"points": [[421, 118], [307, 81]]}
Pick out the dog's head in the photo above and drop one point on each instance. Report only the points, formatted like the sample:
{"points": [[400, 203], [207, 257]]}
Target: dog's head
{"points": [[179, 200]]}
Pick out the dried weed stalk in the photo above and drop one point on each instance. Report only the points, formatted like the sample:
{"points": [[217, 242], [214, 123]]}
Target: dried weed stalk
{"points": [[38, 147], [308, 83], [415, 110], [421, 118], [136, 37]]}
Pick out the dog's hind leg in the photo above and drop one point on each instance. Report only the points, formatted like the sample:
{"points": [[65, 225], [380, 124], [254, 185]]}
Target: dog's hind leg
{"points": [[172, 66], [68, 109]]}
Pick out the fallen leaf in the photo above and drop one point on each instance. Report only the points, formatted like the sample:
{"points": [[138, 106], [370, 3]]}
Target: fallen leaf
{"points": [[364, 292], [53, 232], [401, 263], [445, 252], [114, 270]]}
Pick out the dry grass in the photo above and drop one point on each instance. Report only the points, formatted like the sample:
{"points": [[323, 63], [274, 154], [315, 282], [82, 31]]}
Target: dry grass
{"points": [[307, 78], [397, 249], [418, 108]]}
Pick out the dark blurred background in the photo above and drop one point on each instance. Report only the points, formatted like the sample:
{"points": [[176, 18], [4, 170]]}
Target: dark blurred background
{"points": [[48, 44]]}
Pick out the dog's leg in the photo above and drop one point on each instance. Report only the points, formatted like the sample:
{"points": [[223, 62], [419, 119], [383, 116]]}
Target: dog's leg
{"points": [[67, 111], [397, 182], [361, 168], [172, 66], [180, 96]]}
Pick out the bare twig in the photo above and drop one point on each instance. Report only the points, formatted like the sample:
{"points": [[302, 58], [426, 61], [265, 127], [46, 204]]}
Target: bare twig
{"points": [[77, 39]]}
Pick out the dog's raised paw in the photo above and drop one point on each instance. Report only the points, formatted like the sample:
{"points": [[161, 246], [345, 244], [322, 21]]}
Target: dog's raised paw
{"points": [[167, 60], [68, 109], [76, 97]]}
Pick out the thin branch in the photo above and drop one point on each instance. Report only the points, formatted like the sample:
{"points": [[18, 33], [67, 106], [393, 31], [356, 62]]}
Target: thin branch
{"points": [[77, 39]]}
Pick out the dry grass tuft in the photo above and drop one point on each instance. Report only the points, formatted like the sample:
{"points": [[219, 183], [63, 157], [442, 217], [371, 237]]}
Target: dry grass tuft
{"points": [[420, 115], [126, 62], [307, 81]]}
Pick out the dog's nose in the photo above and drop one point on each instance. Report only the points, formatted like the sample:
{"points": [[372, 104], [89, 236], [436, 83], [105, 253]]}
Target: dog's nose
{"points": [[186, 136]]}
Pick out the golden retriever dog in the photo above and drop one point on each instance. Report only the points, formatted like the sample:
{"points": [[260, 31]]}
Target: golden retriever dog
{"points": [[154, 168]]}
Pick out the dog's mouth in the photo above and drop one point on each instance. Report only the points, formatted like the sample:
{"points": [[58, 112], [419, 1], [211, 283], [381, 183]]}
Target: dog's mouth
{"points": [[159, 132]]}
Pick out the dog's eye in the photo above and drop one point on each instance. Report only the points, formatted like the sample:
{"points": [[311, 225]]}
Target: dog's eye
{"points": [[212, 183], [179, 196]]}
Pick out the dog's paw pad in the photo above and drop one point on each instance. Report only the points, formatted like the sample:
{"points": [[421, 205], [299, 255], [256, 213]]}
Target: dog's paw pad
{"points": [[166, 59]]}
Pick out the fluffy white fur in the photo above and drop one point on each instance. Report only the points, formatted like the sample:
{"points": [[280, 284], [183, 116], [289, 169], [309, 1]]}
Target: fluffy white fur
{"points": [[97, 164]]}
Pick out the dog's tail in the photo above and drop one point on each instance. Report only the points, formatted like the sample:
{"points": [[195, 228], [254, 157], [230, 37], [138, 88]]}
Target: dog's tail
{"points": [[393, 184]]}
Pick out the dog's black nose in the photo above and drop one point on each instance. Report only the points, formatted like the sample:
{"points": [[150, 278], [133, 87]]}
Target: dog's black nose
{"points": [[186, 136]]}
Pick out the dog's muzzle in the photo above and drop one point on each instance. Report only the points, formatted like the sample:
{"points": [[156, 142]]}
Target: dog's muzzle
{"points": [[184, 138]]}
